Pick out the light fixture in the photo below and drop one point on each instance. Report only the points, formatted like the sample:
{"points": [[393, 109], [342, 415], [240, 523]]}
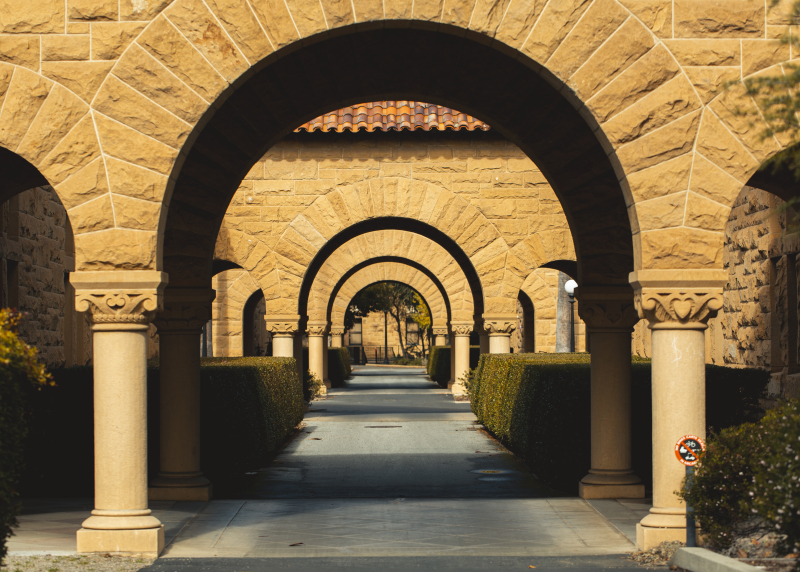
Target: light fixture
{"points": [[570, 286]]}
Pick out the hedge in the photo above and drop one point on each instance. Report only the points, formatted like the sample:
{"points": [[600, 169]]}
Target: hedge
{"points": [[439, 365], [747, 482], [20, 373], [539, 406], [248, 408], [338, 366]]}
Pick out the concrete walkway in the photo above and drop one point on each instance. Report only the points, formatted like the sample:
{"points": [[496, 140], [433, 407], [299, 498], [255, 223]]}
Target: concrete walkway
{"points": [[389, 466]]}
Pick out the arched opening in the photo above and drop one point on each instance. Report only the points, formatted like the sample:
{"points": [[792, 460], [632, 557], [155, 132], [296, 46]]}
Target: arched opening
{"points": [[255, 340], [527, 319]]}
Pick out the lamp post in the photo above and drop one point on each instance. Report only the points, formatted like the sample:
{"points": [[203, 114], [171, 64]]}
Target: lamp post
{"points": [[385, 337], [569, 288]]}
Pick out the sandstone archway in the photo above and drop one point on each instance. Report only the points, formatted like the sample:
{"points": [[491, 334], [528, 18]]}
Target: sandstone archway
{"points": [[390, 272]]}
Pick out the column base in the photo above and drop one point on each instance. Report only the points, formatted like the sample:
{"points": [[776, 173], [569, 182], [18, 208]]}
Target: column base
{"points": [[204, 493], [450, 384], [327, 383], [148, 542], [459, 390], [647, 538], [592, 491]]}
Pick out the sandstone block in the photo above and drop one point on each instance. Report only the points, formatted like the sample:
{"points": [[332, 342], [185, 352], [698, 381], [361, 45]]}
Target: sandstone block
{"points": [[664, 212], [116, 249], [340, 12], [24, 98], [761, 54], [129, 145], [602, 19], [58, 115], [58, 48], [711, 81], [92, 216], [141, 10], [556, 22], [243, 27], [85, 185], [21, 51], [41, 17], [706, 52], [518, 21], [706, 214], [83, 78], [681, 248], [92, 10], [670, 141], [276, 21], [147, 76], [303, 169], [199, 26], [718, 145], [75, 151], [630, 42], [655, 14], [719, 18], [109, 40], [662, 179], [120, 102], [169, 47], [711, 182]]}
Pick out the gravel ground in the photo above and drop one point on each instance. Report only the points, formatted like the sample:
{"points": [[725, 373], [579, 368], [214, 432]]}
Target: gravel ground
{"points": [[75, 563]]}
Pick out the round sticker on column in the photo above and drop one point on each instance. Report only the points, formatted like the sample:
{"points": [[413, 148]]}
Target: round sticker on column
{"points": [[689, 449]]}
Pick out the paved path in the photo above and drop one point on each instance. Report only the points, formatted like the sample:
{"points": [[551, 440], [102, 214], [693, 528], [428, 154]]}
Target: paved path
{"points": [[390, 467]]}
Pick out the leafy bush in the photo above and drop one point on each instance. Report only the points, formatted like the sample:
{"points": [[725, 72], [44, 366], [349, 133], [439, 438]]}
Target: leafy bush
{"points": [[539, 406], [338, 366], [439, 365], [248, 408], [20, 370], [348, 369], [748, 481], [407, 361]]}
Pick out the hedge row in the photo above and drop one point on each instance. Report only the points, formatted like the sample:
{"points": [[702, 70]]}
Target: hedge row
{"points": [[338, 366], [539, 406], [439, 363], [248, 408]]}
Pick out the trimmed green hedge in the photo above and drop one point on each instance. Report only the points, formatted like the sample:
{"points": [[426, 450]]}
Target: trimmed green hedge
{"points": [[439, 365], [248, 408], [539, 406], [338, 366]]}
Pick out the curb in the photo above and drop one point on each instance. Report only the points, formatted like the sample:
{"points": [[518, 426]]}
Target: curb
{"points": [[702, 560]]}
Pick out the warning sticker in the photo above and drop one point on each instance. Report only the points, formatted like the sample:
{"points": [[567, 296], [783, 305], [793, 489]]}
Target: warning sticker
{"points": [[689, 449]]}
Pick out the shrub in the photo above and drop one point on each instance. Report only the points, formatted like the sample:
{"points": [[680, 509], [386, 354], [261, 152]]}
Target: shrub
{"points": [[439, 365], [248, 408], [348, 369], [19, 371], [407, 361], [539, 406], [748, 481], [338, 366]]}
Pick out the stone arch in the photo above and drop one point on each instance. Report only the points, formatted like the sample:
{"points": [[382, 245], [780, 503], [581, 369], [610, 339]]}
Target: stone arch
{"points": [[404, 245], [538, 287], [234, 288], [390, 272]]}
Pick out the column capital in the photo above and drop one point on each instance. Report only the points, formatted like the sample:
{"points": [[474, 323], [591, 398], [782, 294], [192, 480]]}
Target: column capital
{"points": [[282, 325], [500, 324], [439, 331], [461, 328], [186, 310], [678, 299], [337, 331], [119, 297], [608, 308], [317, 328]]}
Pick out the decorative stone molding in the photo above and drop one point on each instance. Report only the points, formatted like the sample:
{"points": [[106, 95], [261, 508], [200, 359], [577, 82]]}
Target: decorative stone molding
{"points": [[500, 325], [461, 328], [123, 297], [678, 299], [185, 310], [337, 331], [282, 326], [607, 308], [317, 328], [439, 331]]}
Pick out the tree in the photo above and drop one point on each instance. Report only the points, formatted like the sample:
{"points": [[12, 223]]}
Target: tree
{"points": [[421, 316], [390, 297]]}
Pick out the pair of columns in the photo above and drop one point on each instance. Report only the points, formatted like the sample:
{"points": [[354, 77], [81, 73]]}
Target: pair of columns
{"points": [[122, 304]]}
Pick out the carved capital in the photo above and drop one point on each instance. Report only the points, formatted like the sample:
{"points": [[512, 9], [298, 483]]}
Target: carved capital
{"points": [[185, 310], [439, 331], [282, 326], [607, 309], [461, 328], [500, 325], [687, 300], [119, 297], [317, 328], [337, 331]]}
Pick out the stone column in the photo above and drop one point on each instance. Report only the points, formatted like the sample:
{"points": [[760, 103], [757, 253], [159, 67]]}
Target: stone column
{"points": [[180, 325], [439, 338], [500, 328], [317, 334], [460, 347], [336, 337], [122, 304], [677, 305], [610, 315], [283, 330]]}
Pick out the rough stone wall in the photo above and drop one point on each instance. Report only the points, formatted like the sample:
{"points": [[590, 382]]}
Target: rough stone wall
{"points": [[234, 288]]}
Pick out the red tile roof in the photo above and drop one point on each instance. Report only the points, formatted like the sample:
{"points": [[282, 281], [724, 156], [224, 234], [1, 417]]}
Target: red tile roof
{"points": [[393, 115]]}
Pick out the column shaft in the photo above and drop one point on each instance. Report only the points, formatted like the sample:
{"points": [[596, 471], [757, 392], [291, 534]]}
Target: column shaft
{"points": [[315, 357], [500, 344], [283, 345]]}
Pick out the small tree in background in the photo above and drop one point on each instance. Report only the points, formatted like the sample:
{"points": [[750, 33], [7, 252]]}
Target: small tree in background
{"points": [[394, 298], [421, 316], [19, 367]]}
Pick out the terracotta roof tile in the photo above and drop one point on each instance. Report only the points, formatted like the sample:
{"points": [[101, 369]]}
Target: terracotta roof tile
{"points": [[393, 115]]}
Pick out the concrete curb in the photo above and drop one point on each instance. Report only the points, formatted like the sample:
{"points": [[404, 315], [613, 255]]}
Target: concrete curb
{"points": [[702, 560]]}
